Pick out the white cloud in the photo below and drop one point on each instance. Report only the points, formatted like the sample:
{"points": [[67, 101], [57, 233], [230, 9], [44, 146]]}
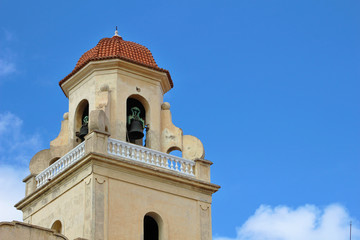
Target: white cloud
{"points": [[15, 146], [306, 222], [12, 190], [8, 122], [16, 150]]}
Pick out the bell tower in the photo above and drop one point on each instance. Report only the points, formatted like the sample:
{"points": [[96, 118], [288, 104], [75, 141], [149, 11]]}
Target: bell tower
{"points": [[109, 174]]}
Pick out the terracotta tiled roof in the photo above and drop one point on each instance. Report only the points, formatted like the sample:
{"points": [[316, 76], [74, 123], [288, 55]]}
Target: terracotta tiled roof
{"points": [[117, 48]]}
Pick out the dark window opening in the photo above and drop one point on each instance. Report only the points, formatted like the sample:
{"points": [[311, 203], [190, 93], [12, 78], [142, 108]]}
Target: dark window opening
{"points": [[151, 229]]}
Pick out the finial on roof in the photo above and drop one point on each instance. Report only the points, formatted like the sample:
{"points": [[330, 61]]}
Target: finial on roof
{"points": [[116, 32]]}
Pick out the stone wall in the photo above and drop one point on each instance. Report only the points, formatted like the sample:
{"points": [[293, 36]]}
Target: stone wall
{"points": [[18, 230]]}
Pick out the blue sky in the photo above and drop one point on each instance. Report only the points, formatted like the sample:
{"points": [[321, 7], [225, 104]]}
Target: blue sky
{"points": [[270, 87]]}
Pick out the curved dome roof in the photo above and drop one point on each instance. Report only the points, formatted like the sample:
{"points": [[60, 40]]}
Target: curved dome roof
{"points": [[117, 48]]}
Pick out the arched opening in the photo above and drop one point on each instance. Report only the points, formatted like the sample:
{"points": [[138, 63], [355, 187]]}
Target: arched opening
{"points": [[57, 226], [175, 151], [136, 121], [53, 160], [82, 120], [151, 228]]}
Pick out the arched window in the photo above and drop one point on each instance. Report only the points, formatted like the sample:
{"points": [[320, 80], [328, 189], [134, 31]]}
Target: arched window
{"points": [[82, 119], [57, 226], [135, 122], [151, 228]]}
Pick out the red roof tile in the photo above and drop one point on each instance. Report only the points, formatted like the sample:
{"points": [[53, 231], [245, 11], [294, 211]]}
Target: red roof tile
{"points": [[117, 48]]}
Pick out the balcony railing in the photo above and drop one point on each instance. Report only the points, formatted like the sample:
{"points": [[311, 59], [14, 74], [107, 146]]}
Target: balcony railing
{"points": [[124, 150], [151, 157], [60, 165]]}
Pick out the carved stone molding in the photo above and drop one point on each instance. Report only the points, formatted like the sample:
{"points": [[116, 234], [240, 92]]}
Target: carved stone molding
{"points": [[100, 180]]}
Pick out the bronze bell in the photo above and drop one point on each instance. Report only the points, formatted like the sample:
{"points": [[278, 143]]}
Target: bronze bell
{"points": [[83, 132], [84, 129], [136, 130]]}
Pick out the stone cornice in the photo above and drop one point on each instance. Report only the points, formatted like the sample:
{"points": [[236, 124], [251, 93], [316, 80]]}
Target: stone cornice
{"points": [[114, 64], [158, 172]]}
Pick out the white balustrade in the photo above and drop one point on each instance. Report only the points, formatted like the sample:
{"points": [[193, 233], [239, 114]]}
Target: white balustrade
{"points": [[149, 156], [60, 165], [122, 149]]}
